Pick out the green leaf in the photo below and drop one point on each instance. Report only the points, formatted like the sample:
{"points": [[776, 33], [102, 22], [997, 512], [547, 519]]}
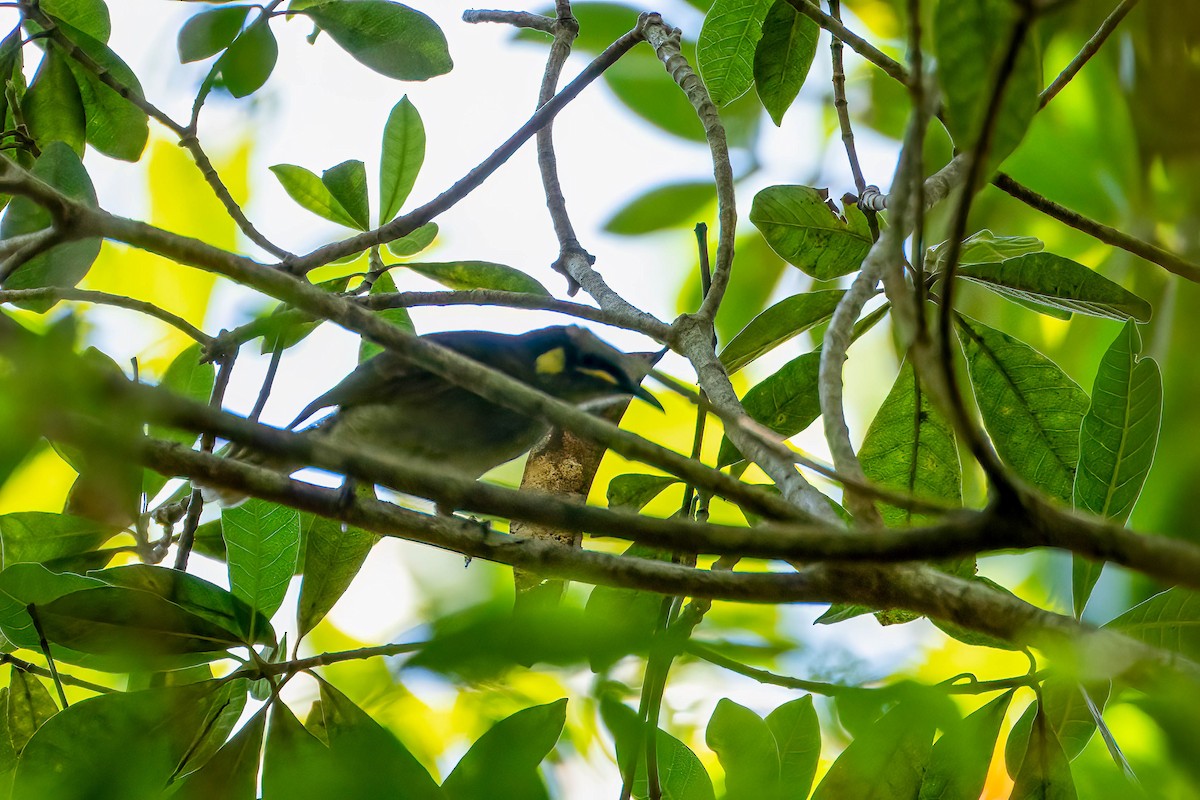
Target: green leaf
{"points": [[668, 206], [89, 16], [390, 38], [263, 541], [311, 193], [400, 159], [1116, 442], [1031, 409], [415, 242], [958, 765], [478, 275], [681, 773], [114, 125], [29, 707], [65, 264], [347, 184], [970, 39], [42, 536], [25, 584], [504, 761], [632, 615], [801, 227], [250, 60], [746, 749], [333, 555], [984, 247], [1045, 772], [399, 317], [53, 108], [283, 328], [910, 448], [190, 376], [634, 491], [82, 753], [1047, 279], [783, 57], [725, 49], [232, 773], [885, 761], [778, 324], [786, 402], [1064, 706], [210, 32], [1169, 620], [798, 739]]}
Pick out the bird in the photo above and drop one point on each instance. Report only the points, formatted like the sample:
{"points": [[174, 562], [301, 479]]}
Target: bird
{"points": [[394, 406]]}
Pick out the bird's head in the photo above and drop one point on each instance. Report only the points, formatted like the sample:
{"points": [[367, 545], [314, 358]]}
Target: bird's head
{"points": [[575, 365]]}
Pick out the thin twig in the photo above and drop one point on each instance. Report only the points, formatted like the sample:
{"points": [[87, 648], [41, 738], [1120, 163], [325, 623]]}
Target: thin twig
{"points": [[69, 680], [855, 42], [264, 391], [518, 19], [44, 643], [56, 293], [1089, 49]]}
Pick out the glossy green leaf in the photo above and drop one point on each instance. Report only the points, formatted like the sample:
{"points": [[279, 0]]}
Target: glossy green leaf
{"points": [[885, 761], [232, 773], [633, 491], [984, 247], [504, 761], [1116, 442], [42, 536], [52, 106], [778, 324], [681, 774], [725, 49], [67, 263], [798, 740], [190, 376], [333, 555], [114, 126], [401, 157], [1045, 772], [1031, 409], [210, 32], [910, 448], [311, 193], [415, 242], [958, 764], [25, 584], [786, 402], [399, 317], [671, 205], [347, 185], [478, 275], [1169, 620], [249, 61], [1047, 279], [746, 749], [29, 707], [390, 38], [783, 57], [263, 541], [970, 39], [801, 227], [89, 16]]}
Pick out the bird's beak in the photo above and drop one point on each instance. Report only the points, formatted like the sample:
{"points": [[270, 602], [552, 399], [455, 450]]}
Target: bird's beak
{"points": [[644, 393]]}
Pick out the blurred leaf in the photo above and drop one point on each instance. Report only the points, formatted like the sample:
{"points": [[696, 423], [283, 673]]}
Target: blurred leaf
{"points": [[1047, 279], [192, 378], [263, 546], [783, 57], [232, 773], [885, 761], [801, 227], [52, 106], [970, 39], [798, 739], [1031, 409], [333, 555], [778, 324], [399, 317], [681, 773], [89, 16], [347, 185], [785, 402], [670, 205], [390, 38], [1169, 620], [415, 242], [746, 748], [1045, 772], [41, 536], [400, 160], [284, 328], [1066, 710], [984, 247], [910, 448], [311, 193], [1117, 442], [958, 765], [504, 761], [478, 275], [629, 615], [249, 61], [725, 49], [29, 706], [634, 491], [210, 32]]}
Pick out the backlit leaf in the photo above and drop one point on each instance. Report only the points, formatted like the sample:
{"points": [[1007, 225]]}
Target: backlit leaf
{"points": [[681, 774], [1047, 279], [783, 57], [400, 159], [333, 555], [504, 761], [958, 765], [778, 324], [249, 61], [746, 748], [478, 275], [801, 227], [786, 402], [390, 38], [798, 739], [725, 50], [347, 184], [263, 546]]}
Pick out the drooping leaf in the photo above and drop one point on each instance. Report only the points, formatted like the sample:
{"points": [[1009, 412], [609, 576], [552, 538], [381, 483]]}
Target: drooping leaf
{"points": [[746, 748], [400, 160], [114, 125], [785, 402], [332, 557], [783, 57], [1045, 772], [249, 61], [910, 448], [887, 760], [797, 735], [399, 317], [777, 324], [725, 50], [347, 184], [43, 537], [1116, 443], [1031, 409], [504, 761], [668, 206], [634, 491], [958, 765], [29, 706], [52, 106], [210, 32], [390, 38], [1169, 620], [190, 376], [232, 773], [681, 774], [801, 227], [263, 542], [415, 242], [478, 275], [1050, 280], [310, 192]]}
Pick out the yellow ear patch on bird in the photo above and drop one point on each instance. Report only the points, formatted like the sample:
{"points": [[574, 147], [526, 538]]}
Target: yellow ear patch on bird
{"points": [[552, 362], [603, 375]]}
